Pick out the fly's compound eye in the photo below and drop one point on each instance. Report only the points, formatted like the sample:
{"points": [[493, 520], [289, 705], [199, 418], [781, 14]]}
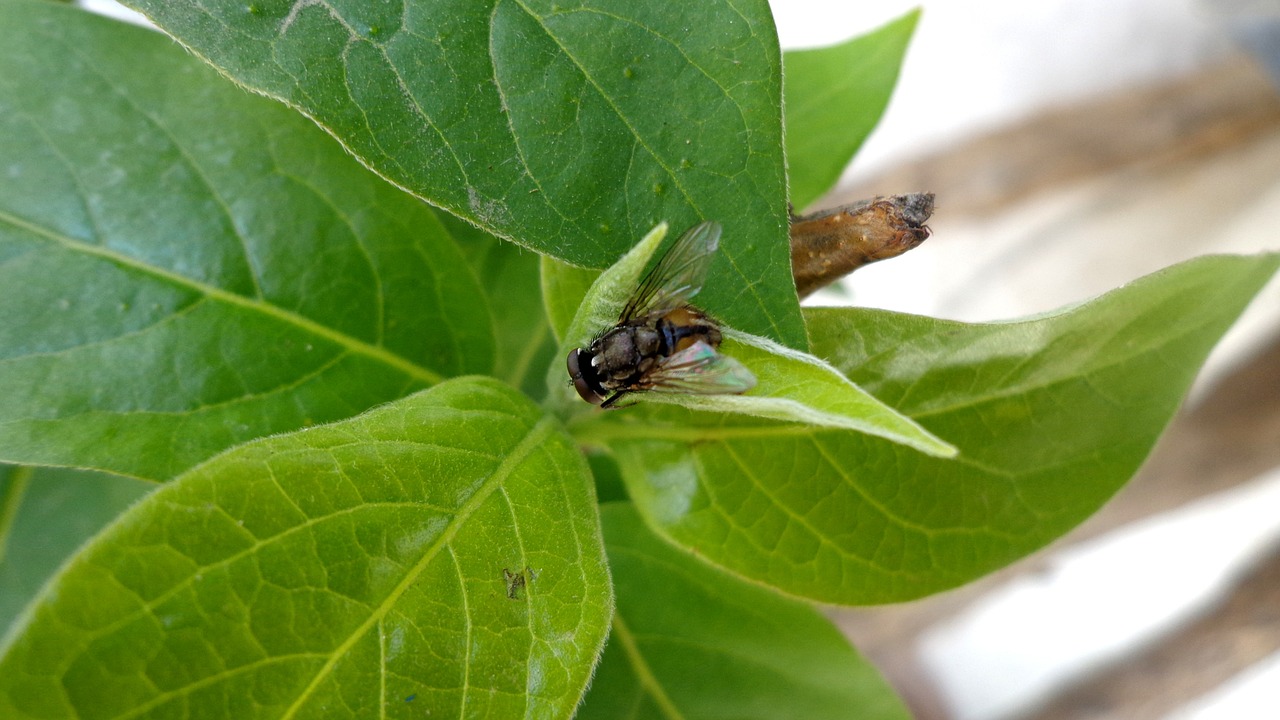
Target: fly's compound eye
{"points": [[584, 376]]}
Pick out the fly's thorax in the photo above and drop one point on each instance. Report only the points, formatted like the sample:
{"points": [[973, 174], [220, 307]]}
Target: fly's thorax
{"points": [[661, 344], [626, 350]]}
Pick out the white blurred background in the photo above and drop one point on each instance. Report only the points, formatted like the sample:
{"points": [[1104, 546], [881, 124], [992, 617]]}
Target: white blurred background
{"points": [[1075, 146]]}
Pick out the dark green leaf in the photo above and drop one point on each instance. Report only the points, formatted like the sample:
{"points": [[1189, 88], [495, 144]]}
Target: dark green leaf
{"points": [[834, 98], [186, 266], [361, 569], [45, 515], [1052, 415], [510, 277], [608, 476], [568, 129], [692, 642]]}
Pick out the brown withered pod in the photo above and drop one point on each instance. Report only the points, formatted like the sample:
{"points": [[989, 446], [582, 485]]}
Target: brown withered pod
{"points": [[828, 244]]}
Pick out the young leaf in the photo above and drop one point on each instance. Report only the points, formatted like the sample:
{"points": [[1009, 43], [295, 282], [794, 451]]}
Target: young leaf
{"points": [[362, 569], [45, 515], [834, 98], [599, 308], [1052, 415], [568, 129], [797, 387], [186, 266], [692, 642], [792, 386]]}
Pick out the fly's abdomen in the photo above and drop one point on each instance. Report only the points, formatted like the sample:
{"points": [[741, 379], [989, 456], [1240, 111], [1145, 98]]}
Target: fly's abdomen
{"points": [[684, 326]]}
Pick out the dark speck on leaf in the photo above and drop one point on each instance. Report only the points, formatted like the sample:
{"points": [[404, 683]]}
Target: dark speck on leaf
{"points": [[515, 583]]}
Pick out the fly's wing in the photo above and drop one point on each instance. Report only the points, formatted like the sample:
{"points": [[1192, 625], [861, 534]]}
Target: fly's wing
{"points": [[700, 370], [678, 275]]}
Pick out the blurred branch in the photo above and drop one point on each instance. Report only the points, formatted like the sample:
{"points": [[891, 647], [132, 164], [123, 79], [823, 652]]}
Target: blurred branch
{"points": [[1192, 661]]}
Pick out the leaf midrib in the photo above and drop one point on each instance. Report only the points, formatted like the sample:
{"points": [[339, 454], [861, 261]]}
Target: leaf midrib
{"points": [[352, 344], [532, 441]]}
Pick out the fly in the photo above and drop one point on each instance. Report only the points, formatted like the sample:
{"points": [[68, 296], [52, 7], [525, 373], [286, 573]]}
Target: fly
{"points": [[661, 343]]}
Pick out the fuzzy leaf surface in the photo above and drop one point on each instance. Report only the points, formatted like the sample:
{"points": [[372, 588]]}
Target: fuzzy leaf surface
{"points": [[360, 569]]}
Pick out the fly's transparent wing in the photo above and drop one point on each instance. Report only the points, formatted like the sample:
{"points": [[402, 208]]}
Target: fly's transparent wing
{"points": [[678, 275], [700, 370]]}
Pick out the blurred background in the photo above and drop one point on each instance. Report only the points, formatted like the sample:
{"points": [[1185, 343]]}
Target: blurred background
{"points": [[1075, 146]]}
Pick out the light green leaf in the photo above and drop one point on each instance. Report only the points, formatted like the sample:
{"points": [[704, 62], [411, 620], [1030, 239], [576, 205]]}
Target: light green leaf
{"points": [[692, 642], [796, 387], [1052, 415], [45, 515], [834, 99], [569, 129], [187, 266], [361, 569], [792, 386]]}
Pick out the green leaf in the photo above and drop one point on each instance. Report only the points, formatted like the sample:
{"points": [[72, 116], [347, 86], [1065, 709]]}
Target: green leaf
{"points": [[568, 129], [187, 266], [834, 99], [360, 569], [45, 515], [792, 387], [1052, 415], [692, 642]]}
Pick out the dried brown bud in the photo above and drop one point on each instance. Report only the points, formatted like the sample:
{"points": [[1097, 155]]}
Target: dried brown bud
{"points": [[829, 244]]}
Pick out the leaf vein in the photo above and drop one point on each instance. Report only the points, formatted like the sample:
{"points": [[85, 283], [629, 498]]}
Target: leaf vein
{"points": [[353, 344], [512, 460]]}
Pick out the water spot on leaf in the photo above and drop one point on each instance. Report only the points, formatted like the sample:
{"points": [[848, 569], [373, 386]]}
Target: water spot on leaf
{"points": [[536, 677], [674, 486], [395, 643]]}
